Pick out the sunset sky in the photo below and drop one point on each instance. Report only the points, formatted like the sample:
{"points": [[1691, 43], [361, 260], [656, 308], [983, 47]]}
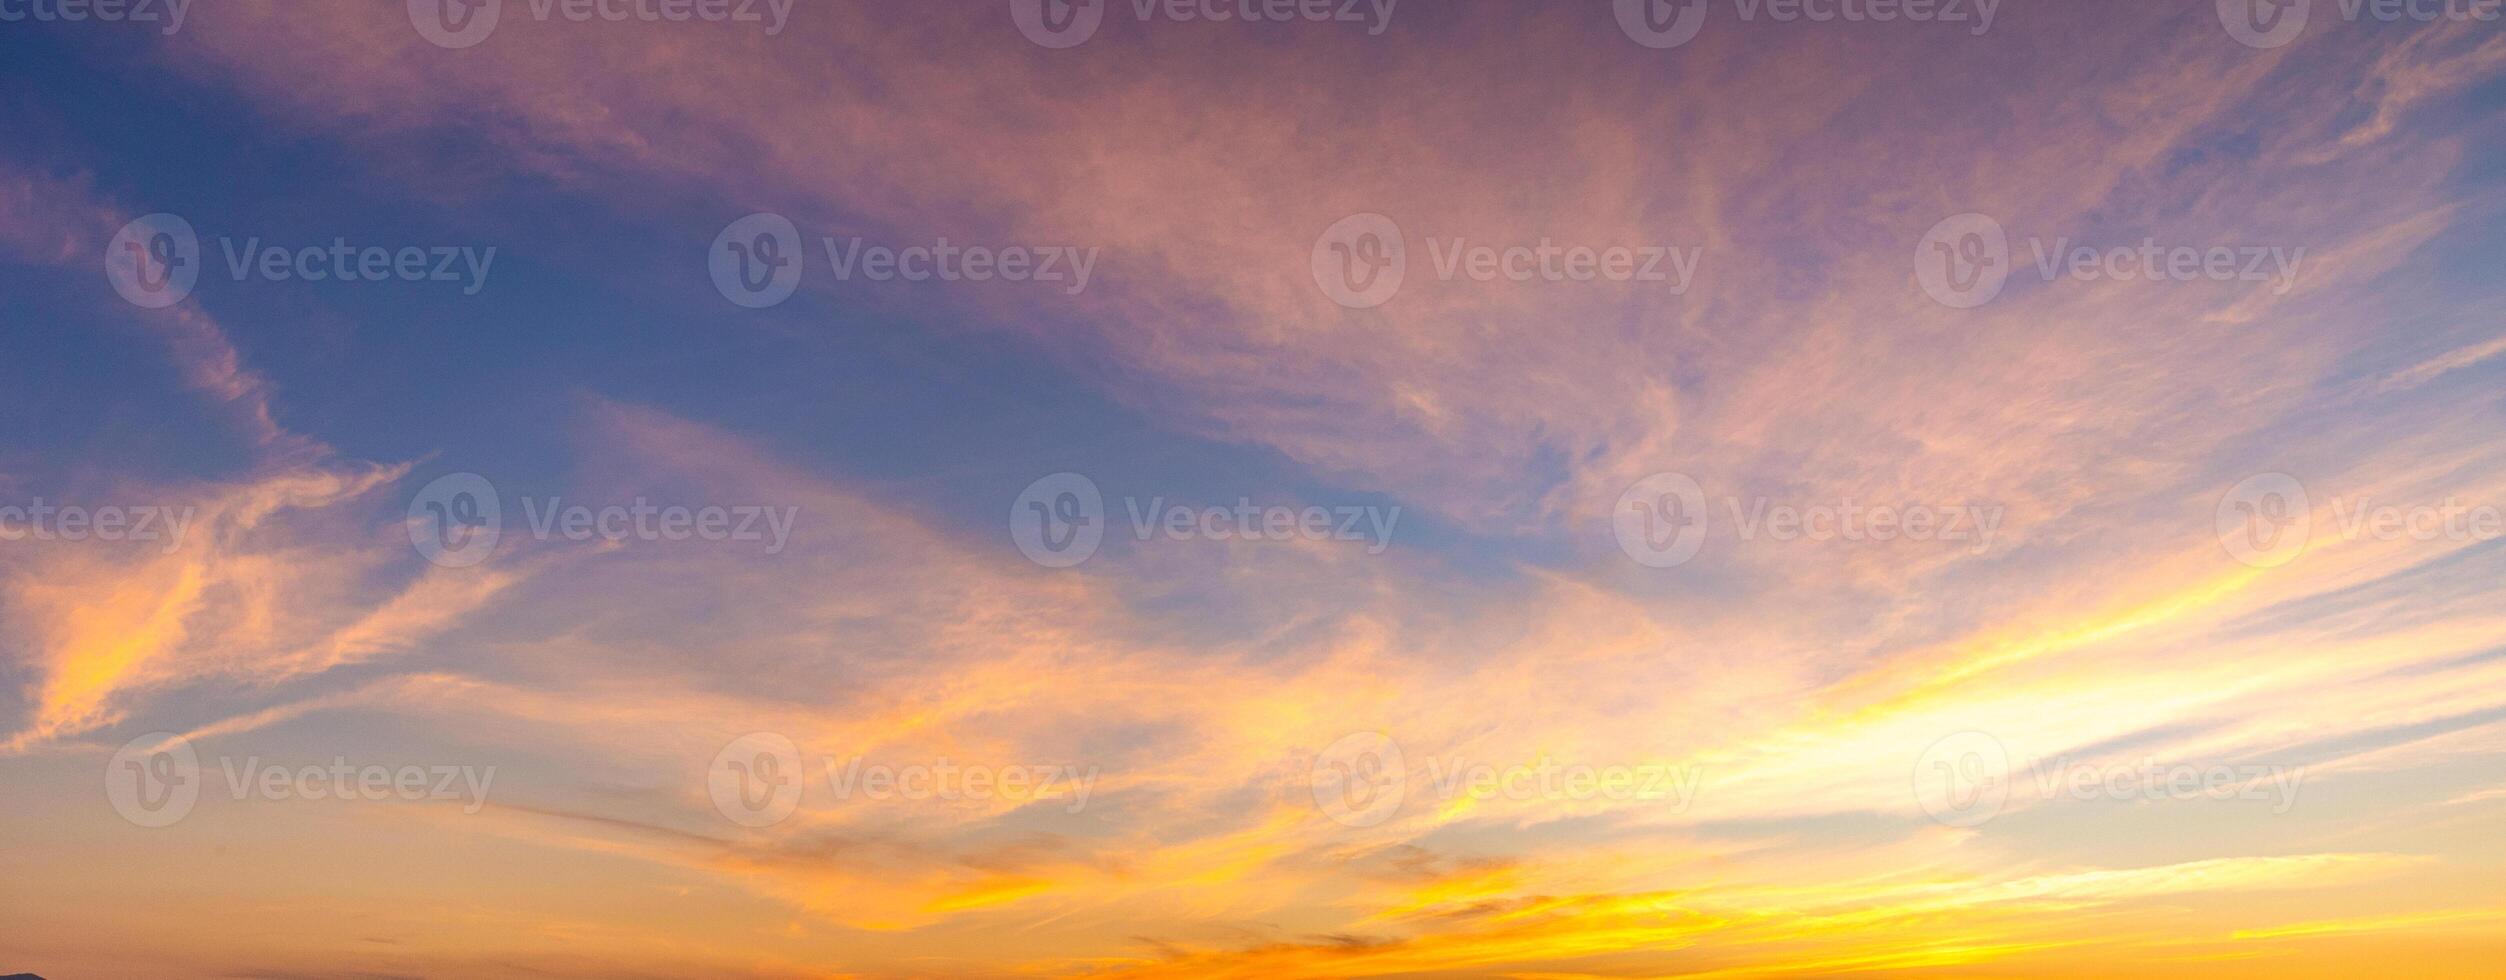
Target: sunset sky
{"points": [[1252, 488]]}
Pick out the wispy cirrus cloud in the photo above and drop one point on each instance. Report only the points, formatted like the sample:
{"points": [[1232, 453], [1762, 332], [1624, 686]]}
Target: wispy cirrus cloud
{"points": [[1792, 692]]}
